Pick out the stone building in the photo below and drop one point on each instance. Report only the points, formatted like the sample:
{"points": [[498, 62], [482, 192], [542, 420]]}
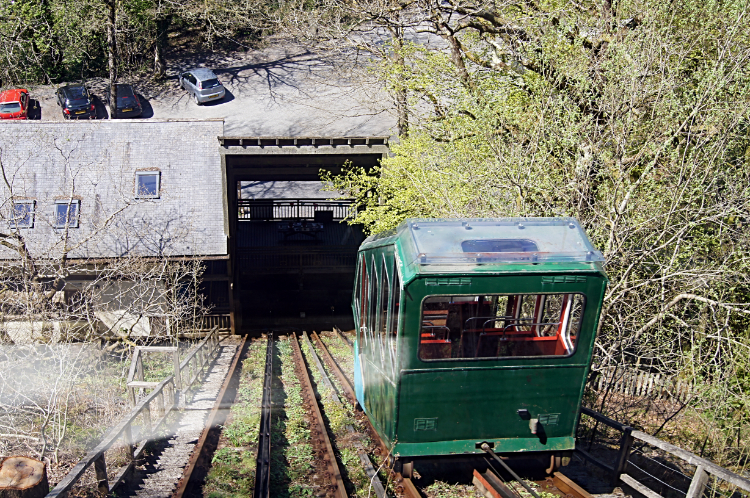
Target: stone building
{"points": [[113, 190]]}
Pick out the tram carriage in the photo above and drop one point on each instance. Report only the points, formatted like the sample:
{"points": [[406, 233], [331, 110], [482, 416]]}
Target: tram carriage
{"points": [[473, 331]]}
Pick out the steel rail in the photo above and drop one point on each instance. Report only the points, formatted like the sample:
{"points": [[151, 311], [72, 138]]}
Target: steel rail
{"points": [[364, 458], [309, 393], [486, 448], [344, 337], [403, 484], [263, 465], [214, 420], [334, 366]]}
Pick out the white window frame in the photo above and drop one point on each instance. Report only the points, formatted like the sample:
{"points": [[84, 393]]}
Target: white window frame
{"points": [[139, 174], [32, 212], [71, 223]]}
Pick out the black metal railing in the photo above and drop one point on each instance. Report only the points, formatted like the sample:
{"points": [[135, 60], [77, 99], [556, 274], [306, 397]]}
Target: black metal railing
{"points": [[294, 209]]}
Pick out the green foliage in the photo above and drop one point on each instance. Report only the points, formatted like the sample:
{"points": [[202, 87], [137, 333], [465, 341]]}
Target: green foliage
{"points": [[50, 41], [232, 474], [635, 121]]}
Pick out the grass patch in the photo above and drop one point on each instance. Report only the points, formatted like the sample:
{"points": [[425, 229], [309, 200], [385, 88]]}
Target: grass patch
{"points": [[232, 471], [291, 448]]}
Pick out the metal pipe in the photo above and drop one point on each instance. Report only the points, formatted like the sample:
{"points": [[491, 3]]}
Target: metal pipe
{"points": [[486, 447]]}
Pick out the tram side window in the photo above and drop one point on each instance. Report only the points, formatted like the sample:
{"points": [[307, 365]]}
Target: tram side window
{"points": [[363, 290], [395, 304], [385, 290], [499, 326], [372, 310]]}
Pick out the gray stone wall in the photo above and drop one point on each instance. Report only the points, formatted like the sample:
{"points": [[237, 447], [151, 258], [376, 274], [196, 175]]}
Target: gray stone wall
{"points": [[95, 162]]}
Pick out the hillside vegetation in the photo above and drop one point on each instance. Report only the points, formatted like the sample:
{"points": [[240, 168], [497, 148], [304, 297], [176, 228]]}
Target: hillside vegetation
{"points": [[631, 116]]}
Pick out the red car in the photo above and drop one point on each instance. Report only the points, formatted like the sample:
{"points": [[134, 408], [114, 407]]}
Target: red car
{"points": [[14, 104]]}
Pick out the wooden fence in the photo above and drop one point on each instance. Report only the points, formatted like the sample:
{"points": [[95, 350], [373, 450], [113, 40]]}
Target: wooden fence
{"points": [[633, 382], [624, 465], [164, 398]]}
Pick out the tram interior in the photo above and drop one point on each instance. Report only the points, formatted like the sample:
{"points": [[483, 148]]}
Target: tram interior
{"points": [[497, 326]]}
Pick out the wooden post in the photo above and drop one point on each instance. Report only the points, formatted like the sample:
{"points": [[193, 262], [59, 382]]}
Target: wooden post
{"points": [[177, 377], [100, 467], [698, 484], [139, 368], [626, 443], [132, 374], [160, 411], [146, 413], [127, 435]]}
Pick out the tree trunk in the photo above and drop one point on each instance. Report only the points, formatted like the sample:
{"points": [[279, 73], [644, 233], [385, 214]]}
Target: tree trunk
{"points": [[111, 56], [162, 29], [401, 96], [23, 477]]}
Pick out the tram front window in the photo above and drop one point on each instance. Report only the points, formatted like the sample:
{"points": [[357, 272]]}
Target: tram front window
{"points": [[499, 326]]}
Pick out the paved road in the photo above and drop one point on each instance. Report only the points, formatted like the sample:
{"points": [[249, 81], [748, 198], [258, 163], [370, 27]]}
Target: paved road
{"points": [[283, 90]]}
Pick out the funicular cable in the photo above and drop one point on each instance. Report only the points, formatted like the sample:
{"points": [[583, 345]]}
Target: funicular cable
{"points": [[486, 448]]}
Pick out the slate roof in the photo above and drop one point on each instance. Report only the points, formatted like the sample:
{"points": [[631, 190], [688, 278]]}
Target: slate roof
{"points": [[280, 189], [96, 162]]}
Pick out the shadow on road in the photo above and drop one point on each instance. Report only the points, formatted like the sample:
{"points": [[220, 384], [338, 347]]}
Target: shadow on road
{"points": [[147, 110], [228, 97], [283, 70], [101, 108], [35, 110]]}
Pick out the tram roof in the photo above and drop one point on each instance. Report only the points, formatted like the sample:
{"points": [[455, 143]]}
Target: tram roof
{"points": [[445, 244]]}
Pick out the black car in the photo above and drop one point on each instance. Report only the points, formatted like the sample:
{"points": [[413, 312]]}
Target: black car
{"points": [[128, 105], [75, 101]]}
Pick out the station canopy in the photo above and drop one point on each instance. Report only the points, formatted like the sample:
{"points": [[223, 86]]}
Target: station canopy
{"points": [[500, 240]]}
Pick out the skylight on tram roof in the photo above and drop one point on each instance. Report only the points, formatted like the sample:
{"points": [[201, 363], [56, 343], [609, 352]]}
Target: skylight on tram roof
{"points": [[500, 240]]}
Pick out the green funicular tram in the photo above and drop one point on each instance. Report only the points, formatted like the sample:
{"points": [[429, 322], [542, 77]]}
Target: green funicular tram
{"points": [[476, 330]]}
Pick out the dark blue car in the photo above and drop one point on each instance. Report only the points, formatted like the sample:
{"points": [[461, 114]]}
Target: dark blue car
{"points": [[75, 102]]}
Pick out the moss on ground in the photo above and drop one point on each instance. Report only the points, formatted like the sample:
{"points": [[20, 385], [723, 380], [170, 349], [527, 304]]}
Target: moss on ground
{"points": [[292, 459]]}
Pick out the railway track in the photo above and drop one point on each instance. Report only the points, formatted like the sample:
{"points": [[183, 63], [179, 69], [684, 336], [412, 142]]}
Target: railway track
{"points": [[263, 467], [306, 362]]}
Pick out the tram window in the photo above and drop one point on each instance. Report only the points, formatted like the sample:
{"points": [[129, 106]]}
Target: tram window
{"points": [[358, 287], [372, 310], [384, 300], [395, 304], [364, 289], [500, 326]]}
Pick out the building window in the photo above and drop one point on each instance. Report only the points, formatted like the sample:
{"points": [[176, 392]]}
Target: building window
{"points": [[23, 214], [147, 184], [66, 213]]}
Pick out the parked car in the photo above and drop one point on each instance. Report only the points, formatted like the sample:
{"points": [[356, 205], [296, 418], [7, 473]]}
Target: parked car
{"points": [[202, 84], [75, 101], [127, 104], [14, 104]]}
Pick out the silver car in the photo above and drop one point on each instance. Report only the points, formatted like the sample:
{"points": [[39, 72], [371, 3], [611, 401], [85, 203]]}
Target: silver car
{"points": [[202, 84]]}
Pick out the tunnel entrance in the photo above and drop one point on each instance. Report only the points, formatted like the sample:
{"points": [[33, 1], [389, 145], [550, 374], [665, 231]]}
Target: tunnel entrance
{"points": [[293, 257]]}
